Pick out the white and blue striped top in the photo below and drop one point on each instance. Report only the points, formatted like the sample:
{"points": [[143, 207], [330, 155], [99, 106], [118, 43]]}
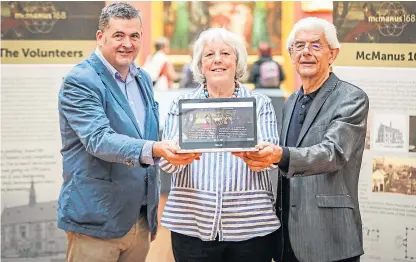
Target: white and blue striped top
{"points": [[219, 194]]}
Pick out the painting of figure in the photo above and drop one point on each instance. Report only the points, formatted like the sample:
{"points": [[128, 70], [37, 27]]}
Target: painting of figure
{"points": [[255, 22]]}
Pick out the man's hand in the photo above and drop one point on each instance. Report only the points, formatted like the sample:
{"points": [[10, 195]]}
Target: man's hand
{"points": [[168, 150], [267, 155]]}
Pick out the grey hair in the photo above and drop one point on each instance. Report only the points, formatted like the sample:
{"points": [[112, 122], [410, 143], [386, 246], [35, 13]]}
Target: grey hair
{"points": [[118, 10], [314, 23], [161, 43], [213, 35]]}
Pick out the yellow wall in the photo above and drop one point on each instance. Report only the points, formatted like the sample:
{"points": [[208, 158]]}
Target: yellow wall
{"points": [[156, 22], [288, 19]]}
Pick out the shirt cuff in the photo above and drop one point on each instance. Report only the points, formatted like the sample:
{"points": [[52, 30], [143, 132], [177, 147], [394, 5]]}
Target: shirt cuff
{"points": [[284, 161], [146, 156]]}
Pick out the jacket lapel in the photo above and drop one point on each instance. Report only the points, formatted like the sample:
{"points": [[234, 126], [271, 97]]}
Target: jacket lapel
{"points": [[291, 106], [317, 103], [112, 85], [146, 100]]}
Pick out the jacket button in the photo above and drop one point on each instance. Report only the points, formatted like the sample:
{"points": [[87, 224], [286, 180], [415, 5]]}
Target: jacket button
{"points": [[146, 179], [293, 205]]}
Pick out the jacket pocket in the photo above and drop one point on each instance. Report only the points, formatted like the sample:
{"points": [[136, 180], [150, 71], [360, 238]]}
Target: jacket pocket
{"points": [[90, 200], [334, 201]]}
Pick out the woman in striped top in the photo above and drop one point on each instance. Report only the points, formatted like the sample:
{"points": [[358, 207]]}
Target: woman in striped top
{"points": [[218, 209]]}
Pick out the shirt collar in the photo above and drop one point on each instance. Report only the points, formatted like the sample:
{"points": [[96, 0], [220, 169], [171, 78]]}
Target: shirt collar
{"points": [[315, 93], [134, 68], [311, 95]]}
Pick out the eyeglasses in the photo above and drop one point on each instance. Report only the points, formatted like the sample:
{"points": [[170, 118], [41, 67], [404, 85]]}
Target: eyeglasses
{"points": [[299, 46]]}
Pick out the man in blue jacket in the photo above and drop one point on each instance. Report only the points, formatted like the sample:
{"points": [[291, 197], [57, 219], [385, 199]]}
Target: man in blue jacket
{"points": [[109, 128]]}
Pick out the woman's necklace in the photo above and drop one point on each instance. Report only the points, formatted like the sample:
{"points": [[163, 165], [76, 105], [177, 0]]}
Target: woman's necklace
{"points": [[235, 94]]}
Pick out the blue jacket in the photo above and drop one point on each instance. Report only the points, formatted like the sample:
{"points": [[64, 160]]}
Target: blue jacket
{"points": [[103, 181]]}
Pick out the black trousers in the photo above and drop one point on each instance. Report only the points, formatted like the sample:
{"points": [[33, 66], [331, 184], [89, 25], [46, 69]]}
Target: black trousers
{"points": [[191, 249]]}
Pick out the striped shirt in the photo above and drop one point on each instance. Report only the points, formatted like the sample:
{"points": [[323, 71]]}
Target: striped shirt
{"points": [[219, 195]]}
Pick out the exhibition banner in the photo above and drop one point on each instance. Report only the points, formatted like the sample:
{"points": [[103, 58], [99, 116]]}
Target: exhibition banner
{"points": [[41, 41], [40, 32], [376, 33], [378, 54]]}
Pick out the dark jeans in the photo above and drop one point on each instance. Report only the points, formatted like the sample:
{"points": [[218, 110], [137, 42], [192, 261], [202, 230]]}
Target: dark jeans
{"points": [[191, 249]]}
